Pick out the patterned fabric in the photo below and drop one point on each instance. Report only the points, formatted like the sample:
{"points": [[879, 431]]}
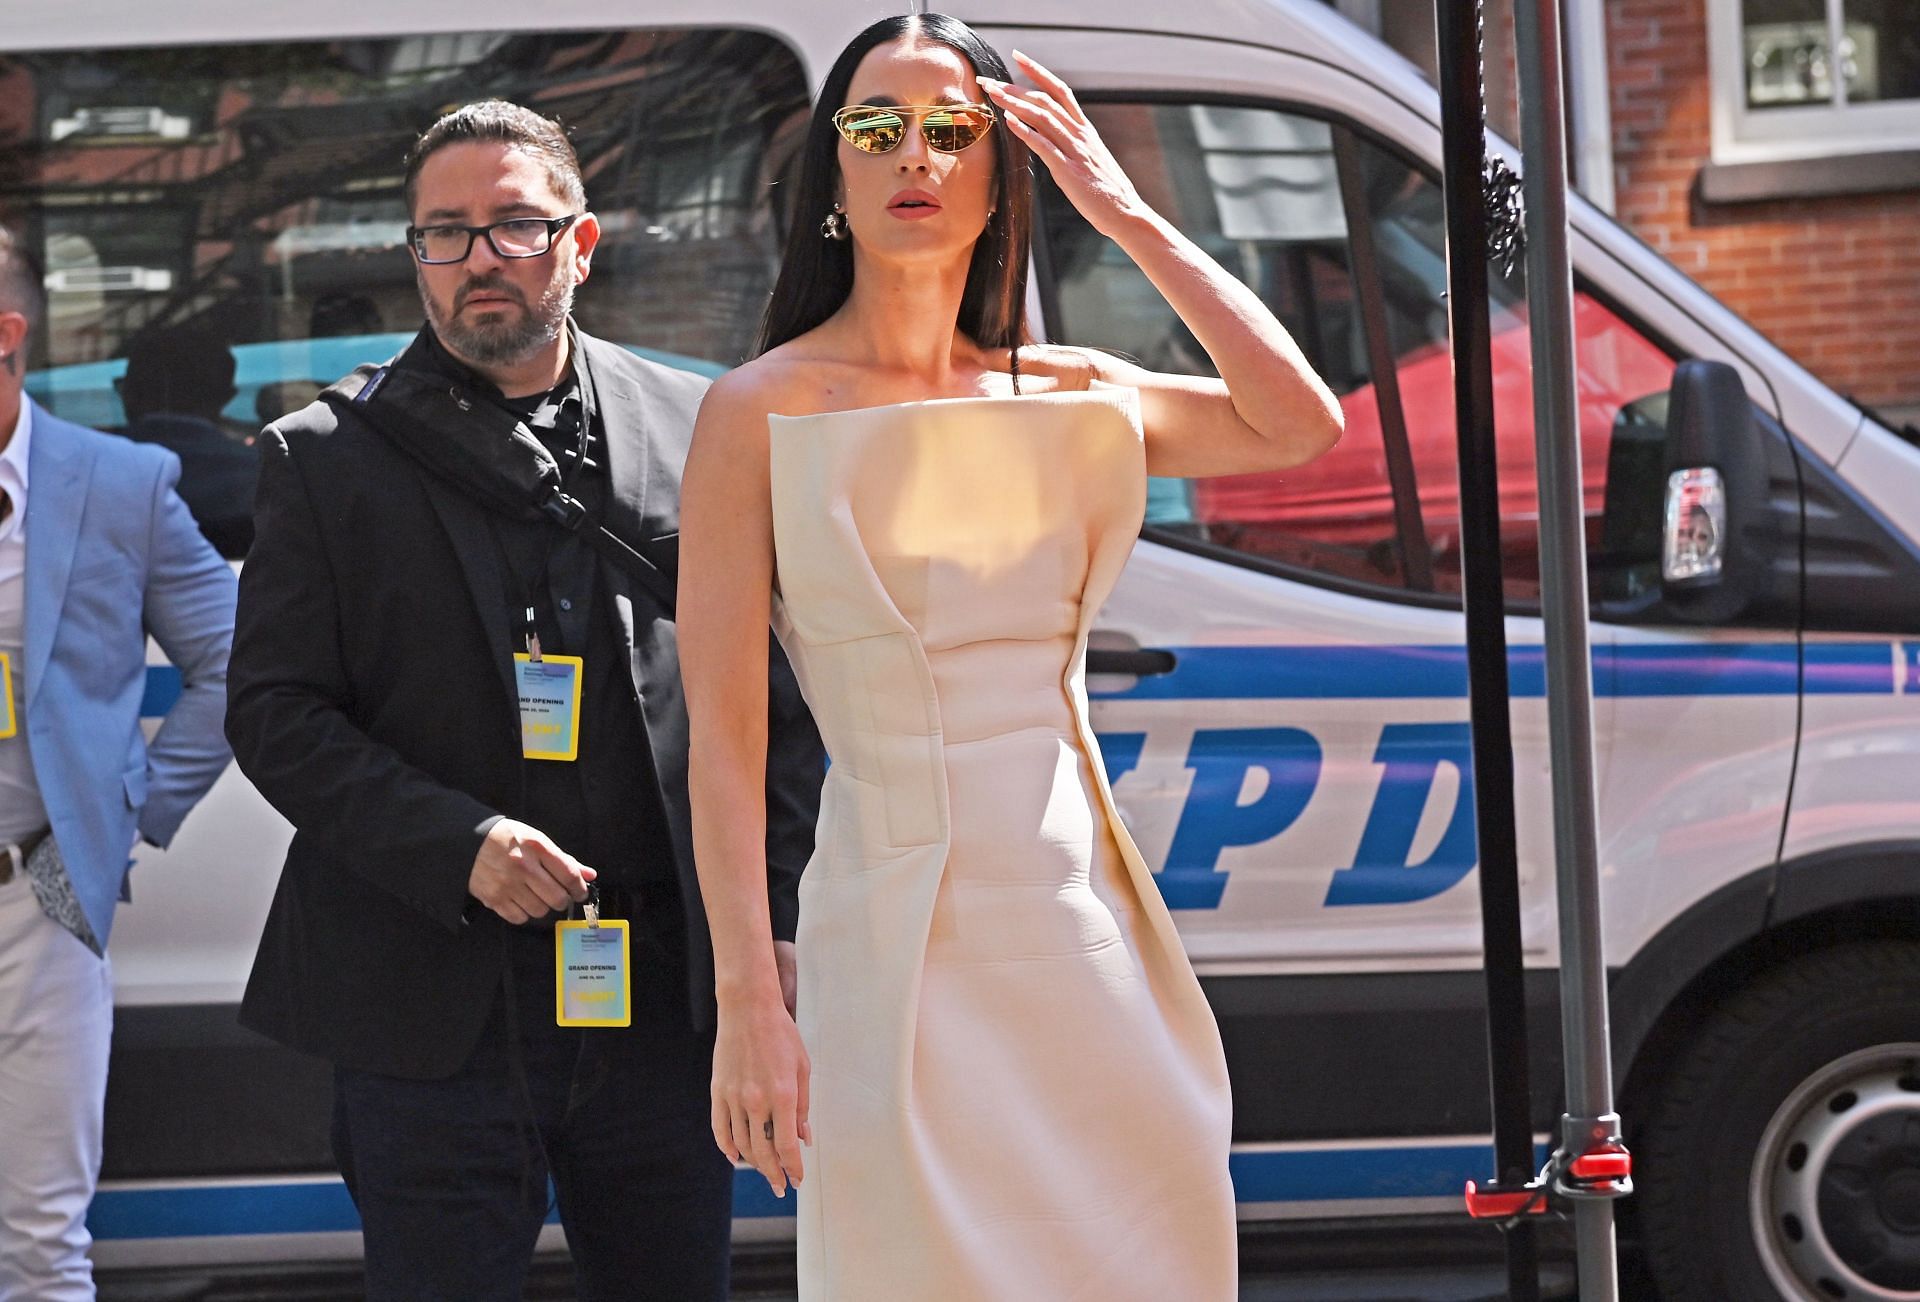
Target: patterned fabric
{"points": [[54, 889]]}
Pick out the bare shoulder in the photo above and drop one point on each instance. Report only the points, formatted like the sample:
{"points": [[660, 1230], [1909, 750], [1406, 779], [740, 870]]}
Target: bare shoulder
{"points": [[791, 380], [733, 416], [740, 399]]}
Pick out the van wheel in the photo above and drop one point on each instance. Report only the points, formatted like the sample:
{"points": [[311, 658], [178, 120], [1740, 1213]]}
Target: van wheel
{"points": [[1780, 1158]]}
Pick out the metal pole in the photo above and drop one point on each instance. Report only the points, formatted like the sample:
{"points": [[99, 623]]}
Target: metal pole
{"points": [[1563, 600], [1464, 148]]}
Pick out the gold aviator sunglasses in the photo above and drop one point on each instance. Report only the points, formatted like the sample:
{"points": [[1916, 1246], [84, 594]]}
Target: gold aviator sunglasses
{"points": [[949, 128]]}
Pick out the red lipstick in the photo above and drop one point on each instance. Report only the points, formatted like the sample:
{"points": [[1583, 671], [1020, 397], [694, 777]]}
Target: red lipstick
{"points": [[913, 205]]}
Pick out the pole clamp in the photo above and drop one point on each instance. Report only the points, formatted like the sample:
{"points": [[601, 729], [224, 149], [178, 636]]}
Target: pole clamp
{"points": [[1592, 1162]]}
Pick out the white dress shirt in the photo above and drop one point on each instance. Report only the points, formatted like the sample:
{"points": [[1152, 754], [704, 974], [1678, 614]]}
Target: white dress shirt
{"points": [[21, 810]]}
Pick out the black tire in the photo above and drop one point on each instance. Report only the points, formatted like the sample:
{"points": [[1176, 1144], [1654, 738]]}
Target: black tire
{"points": [[1801, 1058]]}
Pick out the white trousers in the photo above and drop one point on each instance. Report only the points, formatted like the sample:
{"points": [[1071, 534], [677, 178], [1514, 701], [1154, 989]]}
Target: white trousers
{"points": [[56, 1019]]}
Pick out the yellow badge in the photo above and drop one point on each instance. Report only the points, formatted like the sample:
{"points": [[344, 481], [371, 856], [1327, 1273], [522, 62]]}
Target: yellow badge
{"points": [[9, 725], [592, 979], [549, 705]]}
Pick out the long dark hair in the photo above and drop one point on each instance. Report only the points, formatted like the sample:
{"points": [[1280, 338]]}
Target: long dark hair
{"points": [[816, 274]]}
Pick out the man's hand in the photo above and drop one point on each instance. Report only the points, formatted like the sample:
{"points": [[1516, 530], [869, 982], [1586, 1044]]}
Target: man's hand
{"points": [[520, 874], [787, 959]]}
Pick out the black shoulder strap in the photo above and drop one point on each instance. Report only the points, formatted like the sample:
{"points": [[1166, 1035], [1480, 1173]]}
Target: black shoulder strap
{"points": [[486, 453]]}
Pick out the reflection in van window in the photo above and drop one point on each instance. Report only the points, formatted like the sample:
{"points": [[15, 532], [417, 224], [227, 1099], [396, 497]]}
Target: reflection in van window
{"points": [[228, 219], [1346, 243], [1615, 366], [1260, 191], [178, 381]]}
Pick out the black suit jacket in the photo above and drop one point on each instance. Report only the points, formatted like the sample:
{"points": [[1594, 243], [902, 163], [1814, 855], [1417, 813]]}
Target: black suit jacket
{"points": [[371, 700], [217, 475]]}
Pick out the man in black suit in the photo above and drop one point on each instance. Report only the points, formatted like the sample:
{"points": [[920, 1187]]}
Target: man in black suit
{"points": [[376, 701], [178, 379]]}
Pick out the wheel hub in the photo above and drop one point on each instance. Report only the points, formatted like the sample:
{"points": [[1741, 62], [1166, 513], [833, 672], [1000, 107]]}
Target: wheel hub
{"points": [[1836, 1182], [1899, 1201]]}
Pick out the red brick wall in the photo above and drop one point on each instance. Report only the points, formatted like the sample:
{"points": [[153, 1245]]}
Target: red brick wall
{"points": [[1833, 281]]}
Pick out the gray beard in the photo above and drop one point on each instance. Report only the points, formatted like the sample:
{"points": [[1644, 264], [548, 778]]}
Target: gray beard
{"points": [[506, 344]]}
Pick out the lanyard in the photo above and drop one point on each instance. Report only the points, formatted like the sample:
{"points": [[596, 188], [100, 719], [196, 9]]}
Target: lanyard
{"points": [[573, 461], [526, 632]]}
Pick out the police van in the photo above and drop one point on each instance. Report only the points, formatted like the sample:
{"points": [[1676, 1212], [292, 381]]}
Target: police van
{"points": [[1279, 681]]}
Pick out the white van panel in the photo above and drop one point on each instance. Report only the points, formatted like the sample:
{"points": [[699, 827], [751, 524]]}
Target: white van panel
{"points": [[1860, 754], [88, 24], [1694, 756], [1885, 469], [1321, 684], [1704, 732], [1859, 778], [197, 909]]}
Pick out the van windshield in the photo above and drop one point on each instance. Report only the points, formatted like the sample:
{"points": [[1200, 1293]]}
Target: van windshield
{"points": [[230, 218]]}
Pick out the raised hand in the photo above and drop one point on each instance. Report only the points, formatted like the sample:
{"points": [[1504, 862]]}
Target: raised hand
{"points": [[1050, 121]]}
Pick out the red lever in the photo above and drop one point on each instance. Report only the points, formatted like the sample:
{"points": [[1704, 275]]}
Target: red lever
{"points": [[1602, 1165], [1502, 1204]]}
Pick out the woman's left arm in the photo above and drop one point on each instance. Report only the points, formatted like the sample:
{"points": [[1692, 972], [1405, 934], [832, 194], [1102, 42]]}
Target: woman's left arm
{"points": [[1268, 410]]}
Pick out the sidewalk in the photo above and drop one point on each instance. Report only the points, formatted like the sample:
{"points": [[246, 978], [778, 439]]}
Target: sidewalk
{"points": [[1279, 1263]]}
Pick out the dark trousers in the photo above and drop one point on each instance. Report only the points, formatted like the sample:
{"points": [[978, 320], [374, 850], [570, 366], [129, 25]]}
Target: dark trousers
{"points": [[450, 1176]]}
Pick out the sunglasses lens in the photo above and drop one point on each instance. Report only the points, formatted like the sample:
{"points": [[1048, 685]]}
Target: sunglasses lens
{"points": [[951, 130], [872, 131]]}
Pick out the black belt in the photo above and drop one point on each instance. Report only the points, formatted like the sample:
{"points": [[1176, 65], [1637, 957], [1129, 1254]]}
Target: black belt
{"points": [[24, 848]]}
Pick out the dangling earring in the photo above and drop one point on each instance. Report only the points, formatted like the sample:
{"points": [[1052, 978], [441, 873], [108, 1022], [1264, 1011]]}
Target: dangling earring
{"points": [[835, 225]]}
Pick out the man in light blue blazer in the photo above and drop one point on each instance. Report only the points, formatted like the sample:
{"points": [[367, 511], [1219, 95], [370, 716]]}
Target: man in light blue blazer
{"points": [[96, 551]]}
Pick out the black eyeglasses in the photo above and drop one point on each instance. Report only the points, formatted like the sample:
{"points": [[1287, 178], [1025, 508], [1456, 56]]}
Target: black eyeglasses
{"points": [[517, 237]]}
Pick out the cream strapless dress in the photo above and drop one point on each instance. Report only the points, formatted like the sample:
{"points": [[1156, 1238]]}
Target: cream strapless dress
{"points": [[1018, 1088]]}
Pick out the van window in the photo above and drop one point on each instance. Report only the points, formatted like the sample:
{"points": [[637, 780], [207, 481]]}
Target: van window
{"points": [[1258, 190], [1345, 241], [1619, 375], [226, 222]]}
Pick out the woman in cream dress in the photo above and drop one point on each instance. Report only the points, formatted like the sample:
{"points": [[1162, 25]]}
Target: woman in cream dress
{"points": [[1004, 1082]]}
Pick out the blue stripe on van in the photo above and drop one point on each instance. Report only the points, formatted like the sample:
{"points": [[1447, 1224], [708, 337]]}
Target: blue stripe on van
{"points": [[189, 1211], [1317, 1175], [316, 1207], [305, 1207], [1440, 672], [1851, 668], [1702, 669]]}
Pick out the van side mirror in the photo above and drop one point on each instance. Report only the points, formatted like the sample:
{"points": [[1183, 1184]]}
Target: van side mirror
{"points": [[1717, 532]]}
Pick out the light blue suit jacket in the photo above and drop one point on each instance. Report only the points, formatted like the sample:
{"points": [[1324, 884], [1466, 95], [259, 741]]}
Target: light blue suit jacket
{"points": [[113, 555]]}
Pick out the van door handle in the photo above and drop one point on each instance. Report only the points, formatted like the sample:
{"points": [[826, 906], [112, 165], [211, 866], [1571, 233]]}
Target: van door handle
{"points": [[1142, 662]]}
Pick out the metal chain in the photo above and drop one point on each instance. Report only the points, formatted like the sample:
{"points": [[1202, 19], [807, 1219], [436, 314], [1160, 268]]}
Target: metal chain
{"points": [[1506, 215], [1500, 184]]}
